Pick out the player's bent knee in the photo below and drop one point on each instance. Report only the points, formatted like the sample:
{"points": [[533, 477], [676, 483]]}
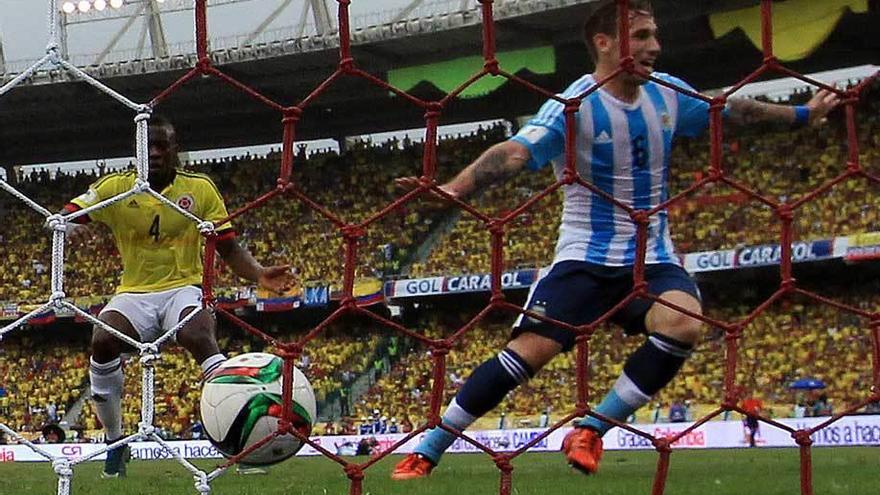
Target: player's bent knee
{"points": [[105, 346], [193, 335], [677, 325], [197, 336], [681, 327], [535, 349]]}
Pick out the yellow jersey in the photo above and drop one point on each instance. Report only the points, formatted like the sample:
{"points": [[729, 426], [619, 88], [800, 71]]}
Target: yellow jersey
{"points": [[160, 248]]}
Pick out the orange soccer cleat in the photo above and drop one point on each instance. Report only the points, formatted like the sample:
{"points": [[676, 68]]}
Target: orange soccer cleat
{"points": [[411, 467], [583, 449]]}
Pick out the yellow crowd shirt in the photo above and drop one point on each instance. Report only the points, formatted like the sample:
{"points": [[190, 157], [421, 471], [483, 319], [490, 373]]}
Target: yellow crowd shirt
{"points": [[160, 248]]}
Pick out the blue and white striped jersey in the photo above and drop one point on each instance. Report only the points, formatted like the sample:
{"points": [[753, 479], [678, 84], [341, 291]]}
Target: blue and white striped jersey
{"points": [[623, 149]]}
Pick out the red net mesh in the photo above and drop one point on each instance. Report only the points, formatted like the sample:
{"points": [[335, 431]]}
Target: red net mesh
{"points": [[496, 226]]}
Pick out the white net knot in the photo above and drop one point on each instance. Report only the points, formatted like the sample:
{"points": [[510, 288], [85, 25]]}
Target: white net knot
{"points": [[202, 484], [141, 185], [57, 222], [143, 113], [149, 352], [54, 54], [206, 228], [57, 298], [146, 430], [62, 467]]}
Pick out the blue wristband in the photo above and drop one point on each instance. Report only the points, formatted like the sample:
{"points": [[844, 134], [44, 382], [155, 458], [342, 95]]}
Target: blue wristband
{"points": [[801, 115]]}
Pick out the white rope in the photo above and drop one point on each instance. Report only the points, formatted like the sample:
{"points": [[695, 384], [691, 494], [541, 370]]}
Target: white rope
{"points": [[202, 480], [142, 150], [202, 485], [213, 475], [59, 227], [22, 440], [77, 72], [150, 355], [33, 204], [177, 455], [140, 346], [62, 468], [174, 206], [15, 81], [54, 23], [106, 448], [137, 189], [167, 335], [24, 319]]}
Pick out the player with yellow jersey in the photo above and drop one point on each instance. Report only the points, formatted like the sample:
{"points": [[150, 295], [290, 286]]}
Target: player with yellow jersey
{"points": [[161, 253], [160, 248]]}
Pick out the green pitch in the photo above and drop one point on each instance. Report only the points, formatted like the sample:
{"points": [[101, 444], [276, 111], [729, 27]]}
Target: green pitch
{"points": [[845, 471]]}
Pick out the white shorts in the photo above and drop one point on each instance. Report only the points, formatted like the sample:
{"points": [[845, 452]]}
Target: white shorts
{"points": [[154, 313]]}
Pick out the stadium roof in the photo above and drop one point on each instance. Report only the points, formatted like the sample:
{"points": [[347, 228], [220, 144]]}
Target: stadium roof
{"points": [[66, 120]]}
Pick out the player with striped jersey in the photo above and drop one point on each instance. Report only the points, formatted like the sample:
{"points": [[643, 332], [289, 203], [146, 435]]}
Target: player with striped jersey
{"points": [[624, 136], [161, 254]]}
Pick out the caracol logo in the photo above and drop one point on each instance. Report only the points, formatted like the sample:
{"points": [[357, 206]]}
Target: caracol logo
{"points": [[71, 451], [7, 455]]}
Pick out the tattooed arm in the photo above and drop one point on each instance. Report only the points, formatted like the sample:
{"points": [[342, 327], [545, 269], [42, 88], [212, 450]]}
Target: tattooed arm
{"points": [[496, 164], [745, 111]]}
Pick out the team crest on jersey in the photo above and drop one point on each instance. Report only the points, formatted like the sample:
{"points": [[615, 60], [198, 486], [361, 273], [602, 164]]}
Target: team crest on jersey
{"points": [[666, 120], [186, 202]]}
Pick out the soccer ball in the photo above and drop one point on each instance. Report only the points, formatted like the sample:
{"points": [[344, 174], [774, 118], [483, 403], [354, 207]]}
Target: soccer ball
{"points": [[241, 405]]}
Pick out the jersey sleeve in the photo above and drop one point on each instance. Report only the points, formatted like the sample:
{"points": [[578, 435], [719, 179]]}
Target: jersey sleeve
{"points": [[100, 190], [214, 209], [544, 135], [693, 113]]}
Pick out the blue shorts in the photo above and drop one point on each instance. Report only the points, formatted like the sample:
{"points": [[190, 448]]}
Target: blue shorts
{"points": [[578, 293]]}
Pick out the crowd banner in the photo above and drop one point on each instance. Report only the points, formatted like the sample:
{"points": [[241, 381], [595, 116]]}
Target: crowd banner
{"points": [[860, 430], [860, 247], [457, 284], [761, 255]]}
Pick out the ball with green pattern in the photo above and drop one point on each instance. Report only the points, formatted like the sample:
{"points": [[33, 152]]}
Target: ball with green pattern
{"points": [[242, 404]]}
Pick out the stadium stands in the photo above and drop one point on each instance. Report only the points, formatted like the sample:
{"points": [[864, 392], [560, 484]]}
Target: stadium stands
{"points": [[716, 217], [354, 183], [36, 372]]}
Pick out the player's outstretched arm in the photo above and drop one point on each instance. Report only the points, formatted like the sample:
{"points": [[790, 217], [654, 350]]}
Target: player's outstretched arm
{"points": [[79, 232], [744, 111], [496, 164], [274, 278]]}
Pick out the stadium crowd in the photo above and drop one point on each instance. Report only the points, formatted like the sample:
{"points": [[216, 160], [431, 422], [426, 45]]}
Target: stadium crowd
{"points": [[782, 165], [40, 378], [359, 181]]}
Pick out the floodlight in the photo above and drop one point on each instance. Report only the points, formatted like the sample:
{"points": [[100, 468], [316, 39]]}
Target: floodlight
{"points": [[68, 7], [116, 4], [100, 5], [84, 6]]}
